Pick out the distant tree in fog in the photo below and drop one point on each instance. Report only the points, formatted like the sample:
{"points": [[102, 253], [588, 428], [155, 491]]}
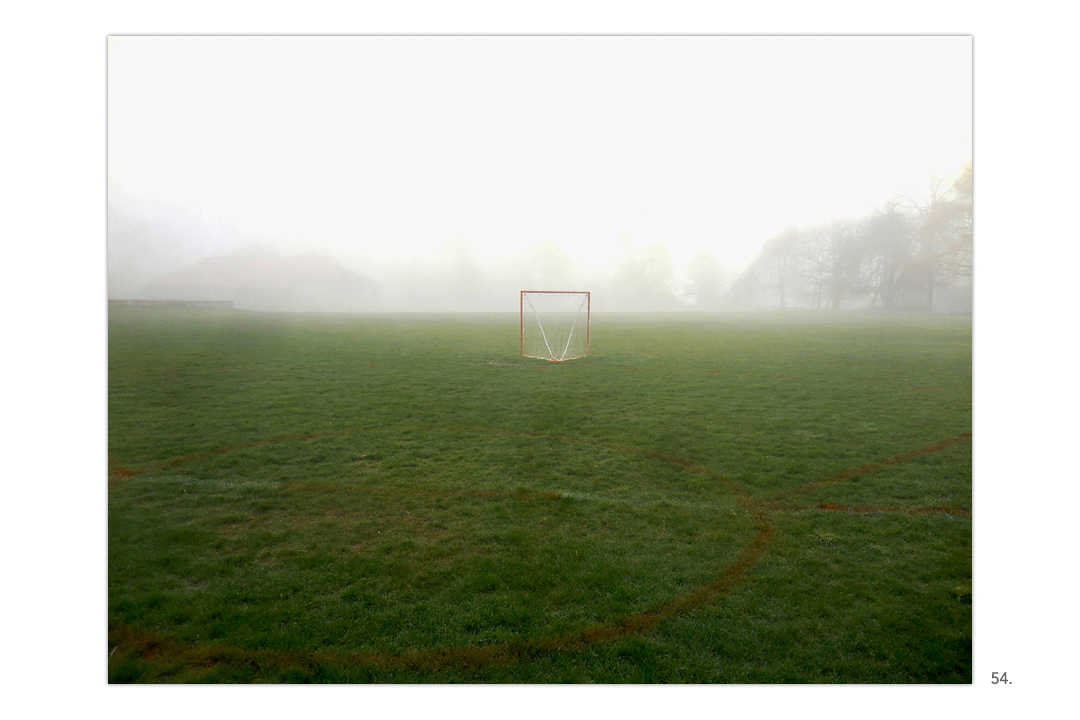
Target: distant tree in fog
{"points": [[812, 267], [950, 221], [706, 282], [815, 259], [549, 267], [450, 280], [463, 279], [776, 276], [847, 278], [945, 235], [889, 238], [645, 280], [960, 244], [783, 267], [899, 256]]}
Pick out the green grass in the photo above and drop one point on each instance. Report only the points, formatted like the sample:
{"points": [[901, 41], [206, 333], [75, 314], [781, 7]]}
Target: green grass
{"points": [[298, 498]]}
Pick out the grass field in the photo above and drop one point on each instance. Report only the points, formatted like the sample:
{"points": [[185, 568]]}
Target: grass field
{"points": [[705, 499]]}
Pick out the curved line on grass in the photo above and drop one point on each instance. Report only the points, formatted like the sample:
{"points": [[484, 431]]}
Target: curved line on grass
{"points": [[740, 493], [150, 646], [480, 655], [934, 510], [119, 472], [474, 655], [862, 469]]}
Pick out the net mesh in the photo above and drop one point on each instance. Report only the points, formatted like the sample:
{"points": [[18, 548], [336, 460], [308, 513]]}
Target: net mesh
{"points": [[555, 326]]}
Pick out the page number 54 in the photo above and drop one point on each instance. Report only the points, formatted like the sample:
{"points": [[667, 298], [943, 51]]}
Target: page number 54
{"points": [[1000, 679]]}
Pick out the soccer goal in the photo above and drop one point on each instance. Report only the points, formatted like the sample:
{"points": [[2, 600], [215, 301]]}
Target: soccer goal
{"points": [[554, 325]]}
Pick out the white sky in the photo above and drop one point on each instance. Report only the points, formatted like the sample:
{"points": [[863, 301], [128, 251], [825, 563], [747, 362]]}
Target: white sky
{"points": [[386, 147]]}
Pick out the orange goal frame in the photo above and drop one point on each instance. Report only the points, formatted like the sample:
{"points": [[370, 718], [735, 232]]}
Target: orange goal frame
{"points": [[588, 315]]}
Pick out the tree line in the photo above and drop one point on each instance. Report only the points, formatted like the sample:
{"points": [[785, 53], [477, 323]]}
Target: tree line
{"points": [[903, 255]]}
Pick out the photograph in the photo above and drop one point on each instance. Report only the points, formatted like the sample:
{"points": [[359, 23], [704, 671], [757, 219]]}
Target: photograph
{"points": [[540, 359]]}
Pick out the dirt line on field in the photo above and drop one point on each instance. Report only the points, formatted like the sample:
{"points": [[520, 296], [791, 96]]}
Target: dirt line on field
{"points": [[473, 656], [154, 467], [142, 644], [124, 472], [868, 467], [731, 575], [740, 493], [150, 646], [420, 492], [934, 510], [117, 471]]}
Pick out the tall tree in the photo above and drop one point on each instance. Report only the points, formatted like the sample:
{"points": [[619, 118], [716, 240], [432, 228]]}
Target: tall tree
{"points": [[776, 275], [778, 266], [815, 258], [945, 233], [957, 252], [845, 263], [889, 237]]}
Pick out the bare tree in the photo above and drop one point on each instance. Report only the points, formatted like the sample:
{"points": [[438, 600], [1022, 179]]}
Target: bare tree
{"points": [[945, 233], [776, 273], [889, 237], [781, 265], [815, 259], [845, 255], [818, 266], [893, 255]]}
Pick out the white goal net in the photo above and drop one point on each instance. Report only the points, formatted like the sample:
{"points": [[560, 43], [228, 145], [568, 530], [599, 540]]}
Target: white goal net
{"points": [[554, 325]]}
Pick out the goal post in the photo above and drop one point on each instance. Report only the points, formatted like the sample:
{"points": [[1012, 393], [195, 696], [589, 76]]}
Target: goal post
{"points": [[555, 324]]}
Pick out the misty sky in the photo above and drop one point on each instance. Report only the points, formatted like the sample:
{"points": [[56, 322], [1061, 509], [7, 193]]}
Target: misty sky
{"points": [[383, 149]]}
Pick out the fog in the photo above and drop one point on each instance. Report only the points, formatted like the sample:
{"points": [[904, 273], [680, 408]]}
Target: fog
{"points": [[449, 173]]}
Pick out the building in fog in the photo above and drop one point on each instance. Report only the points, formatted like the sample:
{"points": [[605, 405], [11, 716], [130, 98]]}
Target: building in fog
{"points": [[305, 283]]}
